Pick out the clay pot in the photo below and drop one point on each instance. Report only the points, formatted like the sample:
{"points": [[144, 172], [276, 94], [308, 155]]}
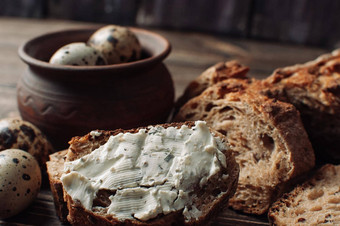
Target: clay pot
{"points": [[67, 101]]}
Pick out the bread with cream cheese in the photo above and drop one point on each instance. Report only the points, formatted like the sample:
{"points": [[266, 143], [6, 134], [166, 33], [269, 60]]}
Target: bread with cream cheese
{"points": [[207, 192], [266, 136], [315, 202]]}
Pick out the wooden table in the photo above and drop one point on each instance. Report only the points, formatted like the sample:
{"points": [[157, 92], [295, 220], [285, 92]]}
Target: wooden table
{"points": [[191, 54]]}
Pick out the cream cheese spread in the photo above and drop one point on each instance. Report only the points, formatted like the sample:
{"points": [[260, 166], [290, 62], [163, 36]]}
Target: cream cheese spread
{"points": [[151, 172], [95, 133]]}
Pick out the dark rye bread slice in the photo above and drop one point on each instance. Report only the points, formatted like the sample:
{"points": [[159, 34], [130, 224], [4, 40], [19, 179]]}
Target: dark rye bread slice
{"points": [[266, 136], [315, 202], [209, 199], [314, 89], [55, 168]]}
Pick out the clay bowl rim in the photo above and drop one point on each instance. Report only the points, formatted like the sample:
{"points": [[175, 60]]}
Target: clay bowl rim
{"points": [[33, 62]]}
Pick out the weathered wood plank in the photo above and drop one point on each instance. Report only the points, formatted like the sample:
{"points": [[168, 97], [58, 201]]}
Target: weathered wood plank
{"points": [[303, 21], [113, 11], [22, 8], [220, 16], [294, 21], [8, 107]]}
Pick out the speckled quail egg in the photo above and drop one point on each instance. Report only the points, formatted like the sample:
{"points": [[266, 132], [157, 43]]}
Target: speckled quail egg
{"points": [[78, 54], [16, 133], [118, 44], [20, 181]]}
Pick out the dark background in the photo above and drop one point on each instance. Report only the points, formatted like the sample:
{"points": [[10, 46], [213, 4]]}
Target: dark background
{"points": [[307, 22]]}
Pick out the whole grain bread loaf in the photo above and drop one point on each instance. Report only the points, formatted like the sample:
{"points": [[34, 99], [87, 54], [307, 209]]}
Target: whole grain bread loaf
{"points": [[266, 136], [315, 202], [314, 89], [209, 199]]}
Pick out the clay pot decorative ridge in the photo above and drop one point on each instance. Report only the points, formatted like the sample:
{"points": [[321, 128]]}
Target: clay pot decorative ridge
{"points": [[66, 101]]}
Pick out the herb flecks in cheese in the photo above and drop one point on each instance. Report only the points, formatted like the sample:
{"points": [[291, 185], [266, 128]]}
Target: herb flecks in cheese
{"points": [[152, 171]]}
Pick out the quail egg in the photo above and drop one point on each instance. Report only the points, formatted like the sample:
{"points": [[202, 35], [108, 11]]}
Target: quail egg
{"points": [[20, 181], [118, 44], [78, 54], [16, 133]]}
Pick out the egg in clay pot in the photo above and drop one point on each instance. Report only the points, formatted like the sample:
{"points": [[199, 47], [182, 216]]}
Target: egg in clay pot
{"points": [[78, 54], [118, 44], [20, 181], [18, 134]]}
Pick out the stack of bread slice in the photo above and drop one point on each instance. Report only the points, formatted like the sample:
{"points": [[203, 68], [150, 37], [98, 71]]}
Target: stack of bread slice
{"points": [[266, 136], [313, 88], [265, 122]]}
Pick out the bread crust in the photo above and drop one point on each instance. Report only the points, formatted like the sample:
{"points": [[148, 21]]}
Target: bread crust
{"points": [[314, 89], [55, 168], [214, 74], [226, 110], [211, 203]]}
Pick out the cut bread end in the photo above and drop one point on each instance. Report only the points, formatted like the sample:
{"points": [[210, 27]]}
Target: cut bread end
{"points": [[315, 202], [55, 168]]}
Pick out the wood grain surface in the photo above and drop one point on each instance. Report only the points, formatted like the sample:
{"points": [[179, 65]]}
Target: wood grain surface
{"points": [[294, 21], [191, 54]]}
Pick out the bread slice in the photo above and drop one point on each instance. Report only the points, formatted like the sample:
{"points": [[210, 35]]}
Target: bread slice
{"points": [[214, 74], [315, 202], [55, 168], [314, 89], [266, 136], [207, 196]]}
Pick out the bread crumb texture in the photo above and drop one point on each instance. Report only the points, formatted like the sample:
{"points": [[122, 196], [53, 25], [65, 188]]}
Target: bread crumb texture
{"points": [[266, 136], [316, 202]]}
